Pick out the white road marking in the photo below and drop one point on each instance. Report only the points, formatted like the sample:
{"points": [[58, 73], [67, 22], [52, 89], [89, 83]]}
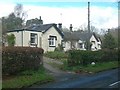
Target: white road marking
{"points": [[114, 83]]}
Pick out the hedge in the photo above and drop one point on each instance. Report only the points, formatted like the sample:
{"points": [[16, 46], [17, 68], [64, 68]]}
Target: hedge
{"points": [[16, 59], [77, 57]]}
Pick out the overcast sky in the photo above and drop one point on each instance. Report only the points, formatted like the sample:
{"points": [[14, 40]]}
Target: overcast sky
{"points": [[103, 15]]}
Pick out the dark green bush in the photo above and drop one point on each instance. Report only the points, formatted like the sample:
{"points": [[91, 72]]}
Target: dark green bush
{"points": [[77, 57], [110, 55], [11, 39], [16, 59]]}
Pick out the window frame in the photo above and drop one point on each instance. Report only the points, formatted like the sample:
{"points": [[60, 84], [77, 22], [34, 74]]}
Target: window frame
{"points": [[81, 45], [52, 41], [33, 38], [63, 43]]}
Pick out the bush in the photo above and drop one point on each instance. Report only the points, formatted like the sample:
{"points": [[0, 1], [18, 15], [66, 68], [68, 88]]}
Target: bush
{"points": [[110, 55], [77, 57], [16, 59], [59, 48], [11, 40]]}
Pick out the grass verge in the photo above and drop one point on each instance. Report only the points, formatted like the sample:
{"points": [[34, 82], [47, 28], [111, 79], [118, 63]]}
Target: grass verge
{"points": [[56, 55], [98, 67], [27, 78]]}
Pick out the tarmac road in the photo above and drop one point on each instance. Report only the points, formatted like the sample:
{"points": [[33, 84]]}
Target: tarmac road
{"points": [[105, 79]]}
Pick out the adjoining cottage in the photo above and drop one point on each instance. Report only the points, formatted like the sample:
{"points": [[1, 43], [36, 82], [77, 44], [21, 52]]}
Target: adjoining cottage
{"points": [[78, 40], [46, 36]]}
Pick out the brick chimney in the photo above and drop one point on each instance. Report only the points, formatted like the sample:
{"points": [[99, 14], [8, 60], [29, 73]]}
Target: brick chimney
{"points": [[41, 21]]}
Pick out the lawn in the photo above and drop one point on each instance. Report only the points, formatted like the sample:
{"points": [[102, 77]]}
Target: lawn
{"points": [[98, 67], [56, 55], [27, 78]]}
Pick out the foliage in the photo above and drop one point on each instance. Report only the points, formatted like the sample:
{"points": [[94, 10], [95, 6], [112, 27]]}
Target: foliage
{"points": [[119, 38], [77, 57], [114, 33], [11, 40], [109, 42], [59, 48], [11, 22], [14, 20], [16, 59], [110, 55], [56, 55], [27, 78]]}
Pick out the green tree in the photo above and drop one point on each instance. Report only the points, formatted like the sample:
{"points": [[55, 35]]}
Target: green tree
{"points": [[11, 40], [115, 32], [11, 22], [14, 20], [109, 42]]}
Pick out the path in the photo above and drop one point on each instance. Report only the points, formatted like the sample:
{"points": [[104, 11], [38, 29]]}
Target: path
{"points": [[58, 74], [51, 68]]}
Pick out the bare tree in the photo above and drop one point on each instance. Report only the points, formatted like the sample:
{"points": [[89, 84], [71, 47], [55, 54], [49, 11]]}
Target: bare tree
{"points": [[19, 12]]}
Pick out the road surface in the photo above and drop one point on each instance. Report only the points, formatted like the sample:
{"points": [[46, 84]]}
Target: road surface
{"points": [[105, 79]]}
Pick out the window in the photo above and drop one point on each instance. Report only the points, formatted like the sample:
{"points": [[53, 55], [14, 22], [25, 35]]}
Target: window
{"points": [[52, 40], [93, 42], [81, 45], [99, 46], [63, 44], [33, 39]]}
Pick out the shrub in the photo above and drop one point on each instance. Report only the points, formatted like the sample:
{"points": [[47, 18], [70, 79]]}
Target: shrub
{"points": [[77, 57], [110, 55], [11, 40], [59, 48], [16, 59]]}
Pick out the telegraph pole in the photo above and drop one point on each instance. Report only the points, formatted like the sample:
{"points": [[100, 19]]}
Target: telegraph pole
{"points": [[88, 25]]}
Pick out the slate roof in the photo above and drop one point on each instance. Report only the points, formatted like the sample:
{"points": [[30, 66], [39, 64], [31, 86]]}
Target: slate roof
{"points": [[40, 28], [77, 35]]}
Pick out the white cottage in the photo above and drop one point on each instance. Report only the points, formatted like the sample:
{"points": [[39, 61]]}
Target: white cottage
{"points": [[46, 36], [77, 40]]}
